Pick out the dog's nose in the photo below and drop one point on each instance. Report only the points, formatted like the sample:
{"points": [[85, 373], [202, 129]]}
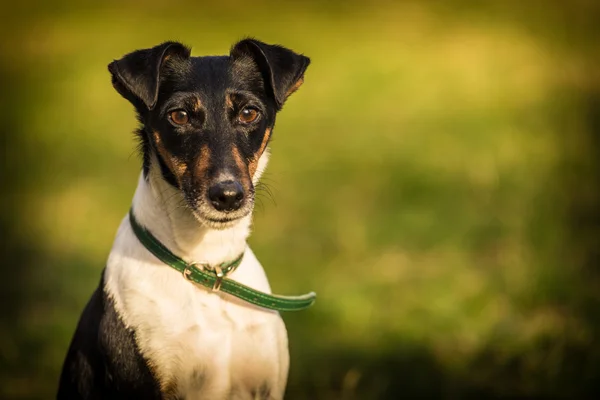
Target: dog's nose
{"points": [[226, 196]]}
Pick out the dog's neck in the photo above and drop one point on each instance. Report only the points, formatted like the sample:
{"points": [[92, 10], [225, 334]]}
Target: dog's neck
{"points": [[160, 208]]}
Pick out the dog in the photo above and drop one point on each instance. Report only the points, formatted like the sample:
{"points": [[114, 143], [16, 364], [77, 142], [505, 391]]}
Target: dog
{"points": [[148, 332]]}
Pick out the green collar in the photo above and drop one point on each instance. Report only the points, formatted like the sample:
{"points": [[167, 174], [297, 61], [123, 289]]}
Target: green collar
{"points": [[215, 277]]}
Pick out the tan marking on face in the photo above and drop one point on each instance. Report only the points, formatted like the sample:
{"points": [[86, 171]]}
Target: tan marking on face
{"points": [[198, 105], [203, 161], [239, 161], [254, 162], [298, 83], [229, 100], [177, 167]]}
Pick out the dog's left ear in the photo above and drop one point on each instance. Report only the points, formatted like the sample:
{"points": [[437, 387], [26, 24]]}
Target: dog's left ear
{"points": [[136, 76], [281, 68]]}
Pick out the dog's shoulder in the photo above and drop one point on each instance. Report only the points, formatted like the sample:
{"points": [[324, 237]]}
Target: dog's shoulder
{"points": [[103, 360]]}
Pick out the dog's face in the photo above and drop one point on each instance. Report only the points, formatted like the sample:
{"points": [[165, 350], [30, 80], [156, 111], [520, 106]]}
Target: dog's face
{"points": [[207, 121]]}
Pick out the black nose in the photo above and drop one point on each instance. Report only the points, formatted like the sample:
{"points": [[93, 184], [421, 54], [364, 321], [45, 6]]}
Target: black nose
{"points": [[226, 196]]}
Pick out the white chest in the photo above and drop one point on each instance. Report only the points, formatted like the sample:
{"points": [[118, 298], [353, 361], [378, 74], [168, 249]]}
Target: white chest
{"points": [[199, 344]]}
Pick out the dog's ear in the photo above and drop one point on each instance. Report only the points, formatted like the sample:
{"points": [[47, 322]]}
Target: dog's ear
{"points": [[282, 69], [136, 76]]}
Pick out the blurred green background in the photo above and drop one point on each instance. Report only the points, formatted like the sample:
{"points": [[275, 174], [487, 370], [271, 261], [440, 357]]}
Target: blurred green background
{"points": [[435, 180]]}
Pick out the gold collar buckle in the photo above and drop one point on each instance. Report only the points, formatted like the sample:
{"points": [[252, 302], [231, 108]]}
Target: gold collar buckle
{"points": [[204, 267], [220, 275]]}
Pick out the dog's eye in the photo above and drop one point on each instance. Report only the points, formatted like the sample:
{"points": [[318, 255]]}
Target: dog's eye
{"points": [[179, 117], [248, 115]]}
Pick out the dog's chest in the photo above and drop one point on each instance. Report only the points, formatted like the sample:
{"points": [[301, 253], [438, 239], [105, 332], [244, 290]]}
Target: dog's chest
{"points": [[200, 345], [213, 347]]}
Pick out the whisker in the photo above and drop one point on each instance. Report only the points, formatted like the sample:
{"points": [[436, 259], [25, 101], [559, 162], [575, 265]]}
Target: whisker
{"points": [[262, 189]]}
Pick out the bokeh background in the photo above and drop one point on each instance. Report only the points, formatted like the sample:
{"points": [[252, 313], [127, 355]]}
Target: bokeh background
{"points": [[435, 181]]}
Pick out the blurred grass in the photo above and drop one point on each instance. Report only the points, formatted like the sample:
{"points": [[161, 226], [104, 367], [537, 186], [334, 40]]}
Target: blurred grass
{"points": [[435, 182]]}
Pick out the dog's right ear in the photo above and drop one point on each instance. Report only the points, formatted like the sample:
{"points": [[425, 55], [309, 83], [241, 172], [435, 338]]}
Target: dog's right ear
{"points": [[136, 76]]}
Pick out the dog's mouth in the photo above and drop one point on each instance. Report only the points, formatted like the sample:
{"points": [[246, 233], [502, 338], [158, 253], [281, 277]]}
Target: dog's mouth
{"points": [[219, 223], [208, 216]]}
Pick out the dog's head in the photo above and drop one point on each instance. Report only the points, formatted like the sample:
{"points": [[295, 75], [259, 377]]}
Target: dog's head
{"points": [[207, 121]]}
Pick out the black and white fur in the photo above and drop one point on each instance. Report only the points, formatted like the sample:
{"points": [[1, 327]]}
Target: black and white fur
{"points": [[148, 333]]}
